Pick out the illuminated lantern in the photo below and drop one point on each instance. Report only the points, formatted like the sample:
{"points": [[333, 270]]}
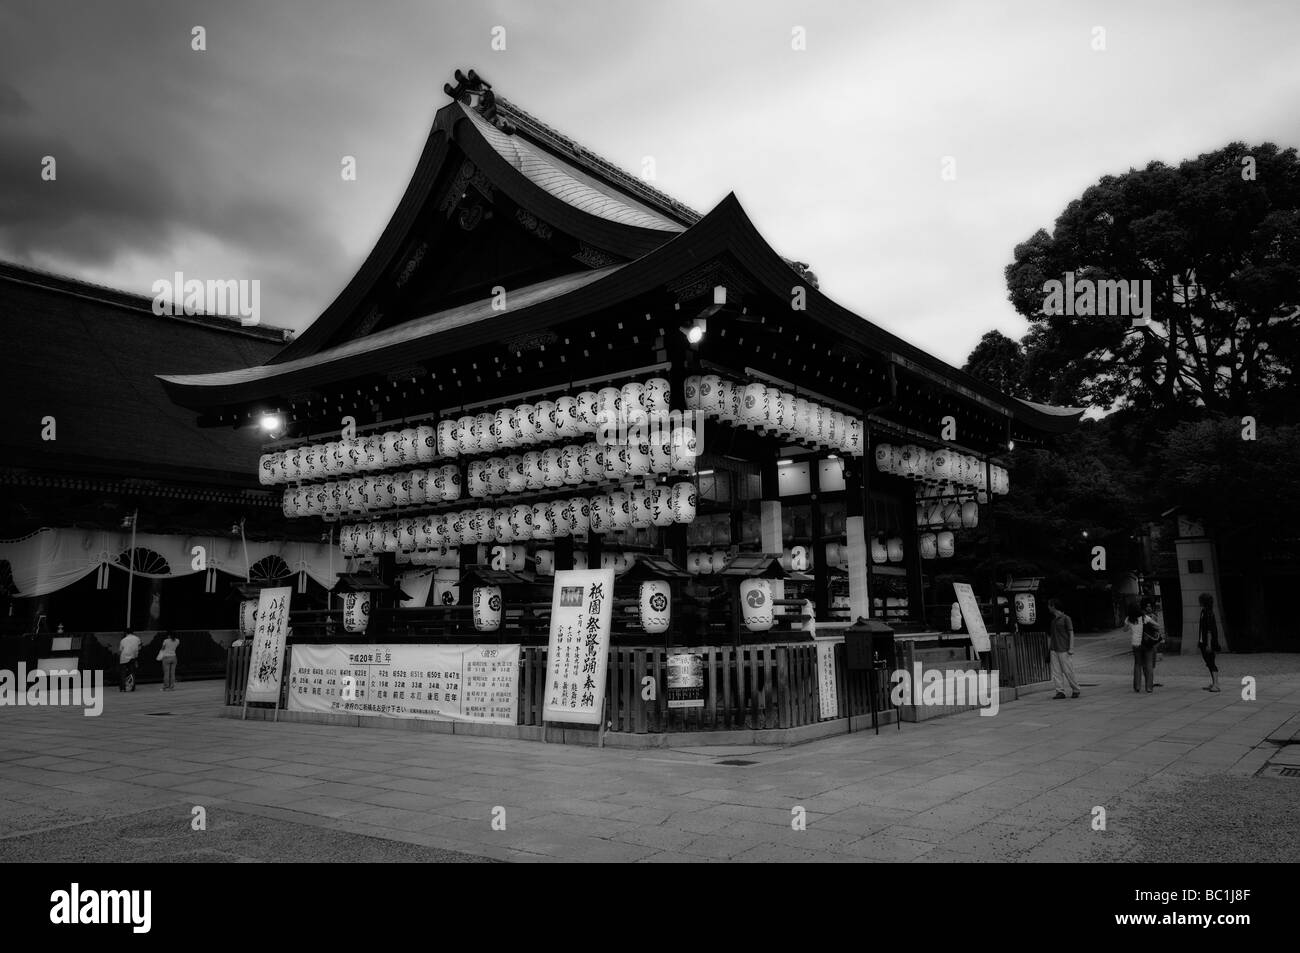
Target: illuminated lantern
{"points": [[390, 453], [495, 473], [591, 461], [616, 461], [821, 421], [542, 528], [598, 515], [426, 444], [711, 395], [730, 395], [642, 509], [693, 563], [588, 411], [773, 419], [894, 547], [954, 617], [885, 457], [661, 451], [946, 545], [406, 535], [448, 438], [581, 519], [753, 405], [383, 492], [532, 465], [523, 425], [402, 489], [447, 482], [835, 430], [787, 418], [474, 478], [503, 430], [756, 604], [657, 399], [929, 546], [661, 505], [266, 469], [879, 551], [424, 533], [552, 470], [356, 611], [369, 457], [576, 463], [633, 409], [521, 521], [609, 403], [718, 560], [545, 562], [419, 487], [683, 502], [683, 449], [485, 440], [656, 606], [970, 514], [516, 482], [408, 447], [620, 509], [482, 522], [580, 560], [638, 460], [855, 444], [691, 392], [500, 524], [487, 608], [566, 417]]}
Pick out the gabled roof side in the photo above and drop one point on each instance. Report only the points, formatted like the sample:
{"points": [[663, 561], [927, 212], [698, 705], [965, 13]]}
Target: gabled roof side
{"points": [[725, 230]]}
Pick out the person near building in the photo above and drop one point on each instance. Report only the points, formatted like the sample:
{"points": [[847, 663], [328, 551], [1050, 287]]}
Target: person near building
{"points": [[167, 655], [128, 660], [1061, 639], [1144, 650], [1208, 640]]}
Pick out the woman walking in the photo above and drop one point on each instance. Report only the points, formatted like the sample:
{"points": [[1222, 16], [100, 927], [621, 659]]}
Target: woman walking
{"points": [[167, 655], [1208, 642], [1143, 653]]}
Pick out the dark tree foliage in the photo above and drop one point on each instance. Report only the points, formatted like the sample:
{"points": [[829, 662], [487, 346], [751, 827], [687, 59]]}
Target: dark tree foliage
{"points": [[1000, 361]]}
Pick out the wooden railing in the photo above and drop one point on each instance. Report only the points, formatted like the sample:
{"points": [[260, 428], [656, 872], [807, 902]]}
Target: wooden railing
{"points": [[750, 687]]}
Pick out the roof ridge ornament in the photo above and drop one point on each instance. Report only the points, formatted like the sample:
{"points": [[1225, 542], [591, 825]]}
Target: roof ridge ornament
{"points": [[476, 93]]}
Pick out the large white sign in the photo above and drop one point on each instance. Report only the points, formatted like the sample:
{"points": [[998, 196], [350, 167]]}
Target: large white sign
{"points": [[827, 695], [265, 668], [970, 611], [578, 658], [435, 682]]}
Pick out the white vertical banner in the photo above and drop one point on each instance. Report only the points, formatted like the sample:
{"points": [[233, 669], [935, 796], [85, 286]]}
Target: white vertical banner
{"points": [[970, 611], [856, 542], [827, 694], [265, 669], [577, 660]]}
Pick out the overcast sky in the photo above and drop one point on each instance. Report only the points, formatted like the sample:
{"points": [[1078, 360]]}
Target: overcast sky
{"points": [[225, 163]]}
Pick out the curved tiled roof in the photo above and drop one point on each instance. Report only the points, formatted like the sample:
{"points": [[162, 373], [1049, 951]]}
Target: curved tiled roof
{"points": [[568, 183]]}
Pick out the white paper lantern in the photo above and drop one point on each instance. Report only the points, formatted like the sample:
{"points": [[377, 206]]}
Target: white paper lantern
{"points": [[894, 546], [475, 483], [946, 545], [571, 465], [402, 488], [548, 427], [487, 608], [691, 392], [266, 469], [756, 604], [929, 546], [500, 524], [447, 439], [633, 403], [567, 425], [1026, 608], [616, 459], [970, 514], [592, 462], [642, 509], [503, 430], [495, 475], [753, 405], [694, 561], [730, 398], [545, 562], [581, 518], [879, 551], [711, 395], [833, 554], [609, 405], [521, 521], [383, 492], [718, 560], [638, 459], [683, 502], [523, 430], [409, 446], [588, 411], [661, 505], [542, 526], [356, 611], [248, 618], [658, 396], [552, 467], [656, 606], [683, 449], [620, 509]]}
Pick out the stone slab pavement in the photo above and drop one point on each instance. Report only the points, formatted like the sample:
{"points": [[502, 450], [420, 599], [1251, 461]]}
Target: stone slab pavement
{"points": [[1019, 786]]}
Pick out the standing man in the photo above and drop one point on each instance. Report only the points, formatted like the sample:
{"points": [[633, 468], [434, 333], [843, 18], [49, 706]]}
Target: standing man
{"points": [[128, 659], [1061, 639]]}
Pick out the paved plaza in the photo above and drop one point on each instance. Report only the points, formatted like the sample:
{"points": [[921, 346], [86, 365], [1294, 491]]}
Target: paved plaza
{"points": [[1181, 774]]}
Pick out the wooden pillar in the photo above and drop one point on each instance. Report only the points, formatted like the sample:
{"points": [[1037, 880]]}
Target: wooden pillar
{"points": [[856, 541], [821, 571]]}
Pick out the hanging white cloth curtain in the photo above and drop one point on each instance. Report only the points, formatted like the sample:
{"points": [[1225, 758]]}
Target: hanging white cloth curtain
{"points": [[53, 559]]}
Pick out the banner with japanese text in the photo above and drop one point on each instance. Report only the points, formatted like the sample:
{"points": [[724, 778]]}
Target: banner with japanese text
{"points": [[265, 668], [827, 693], [435, 682], [578, 658], [970, 611]]}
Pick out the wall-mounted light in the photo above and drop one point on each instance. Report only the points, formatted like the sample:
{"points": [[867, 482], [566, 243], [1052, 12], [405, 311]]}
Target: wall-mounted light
{"points": [[705, 473], [784, 463], [271, 422]]}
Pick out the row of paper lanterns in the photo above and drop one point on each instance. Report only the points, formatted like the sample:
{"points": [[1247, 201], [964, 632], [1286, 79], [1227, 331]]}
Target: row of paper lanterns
{"points": [[383, 492], [660, 505], [757, 405], [565, 418], [950, 514], [941, 466], [576, 464]]}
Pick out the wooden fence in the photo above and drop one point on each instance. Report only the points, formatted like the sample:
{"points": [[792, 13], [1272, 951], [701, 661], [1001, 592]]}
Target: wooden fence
{"points": [[755, 687]]}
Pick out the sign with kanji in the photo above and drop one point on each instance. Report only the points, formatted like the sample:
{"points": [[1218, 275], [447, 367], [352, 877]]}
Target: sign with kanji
{"points": [[433, 682], [577, 661], [827, 694], [685, 680], [970, 611], [264, 670]]}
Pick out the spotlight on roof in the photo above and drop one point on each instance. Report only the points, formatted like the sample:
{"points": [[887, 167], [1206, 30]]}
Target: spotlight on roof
{"points": [[271, 422], [694, 334]]}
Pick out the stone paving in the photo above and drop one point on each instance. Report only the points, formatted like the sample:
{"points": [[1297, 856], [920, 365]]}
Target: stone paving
{"points": [[1021, 785]]}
